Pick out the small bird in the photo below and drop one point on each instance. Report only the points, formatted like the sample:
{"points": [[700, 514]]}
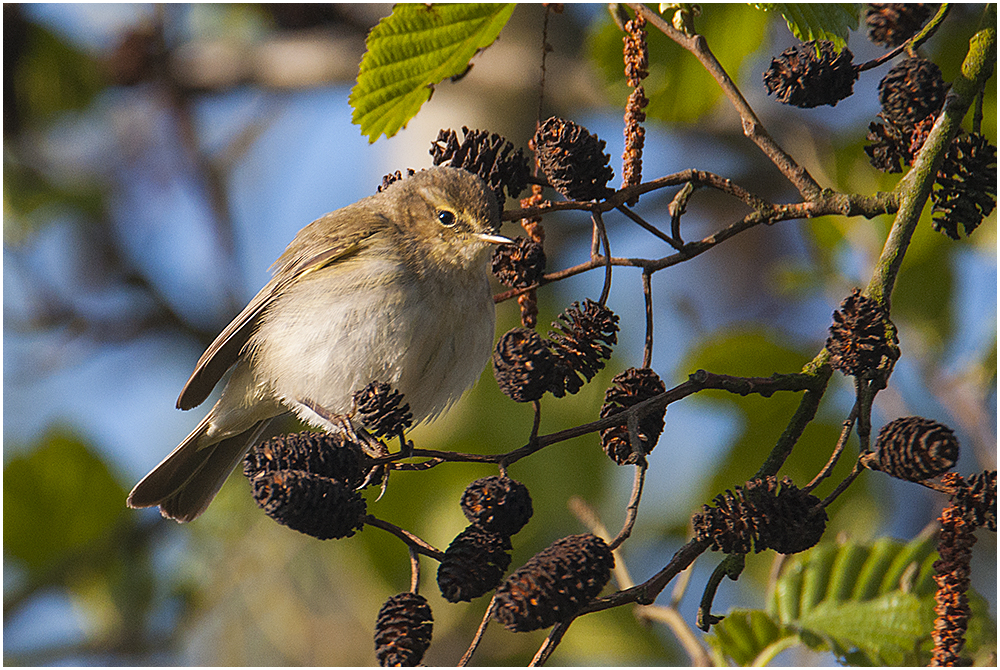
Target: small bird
{"points": [[393, 288]]}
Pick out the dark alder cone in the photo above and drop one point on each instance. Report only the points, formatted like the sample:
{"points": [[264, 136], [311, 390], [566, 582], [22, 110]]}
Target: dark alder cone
{"points": [[488, 155], [523, 365], [911, 91], [497, 504], [403, 631], [913, 448], [520, 264], [857, 339], [572, 159], [976, 496], [473, 564], [318, 506], [632, 387], [892, 23], [581, 342], [329, 455], [981, 499], [801, 78], [378, 405], [554, 584], [890, 146], [762, 515], [966, 185]]}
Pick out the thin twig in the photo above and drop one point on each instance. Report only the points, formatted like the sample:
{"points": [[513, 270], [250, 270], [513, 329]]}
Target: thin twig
{"points": [[599, 225], [843, 485], [646, 225], [913, 43], [406, 536], [632, 510], [551, 642], [804, 414], [845, 433], [831, 204], [645, 593], [546, 47], [621, 196], [414, 569], [752, 126], [647, 296], [467, 656], [731, 566], [677, 208], [589, 518]]}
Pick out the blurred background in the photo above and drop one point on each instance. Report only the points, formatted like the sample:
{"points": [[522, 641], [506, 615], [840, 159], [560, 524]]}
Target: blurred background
{"points": [[157, 159]]}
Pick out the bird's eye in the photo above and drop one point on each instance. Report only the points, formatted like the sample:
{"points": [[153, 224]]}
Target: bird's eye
{"points": [[446, 218]]}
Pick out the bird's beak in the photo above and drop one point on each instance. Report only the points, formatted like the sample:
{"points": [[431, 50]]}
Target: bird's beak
{"points": [[494, 239]]}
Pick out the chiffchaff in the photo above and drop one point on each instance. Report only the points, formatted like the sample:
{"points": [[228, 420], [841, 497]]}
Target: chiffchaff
{"points": [[394, 288]]}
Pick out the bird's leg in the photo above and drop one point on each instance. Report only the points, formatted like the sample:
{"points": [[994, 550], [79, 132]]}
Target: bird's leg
{"points": [[373, 447], [342, 422]]}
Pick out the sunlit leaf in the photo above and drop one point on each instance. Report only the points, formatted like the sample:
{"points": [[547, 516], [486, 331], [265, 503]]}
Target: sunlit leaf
{"points": [[868, 604], [411, 51], [818, 21]]}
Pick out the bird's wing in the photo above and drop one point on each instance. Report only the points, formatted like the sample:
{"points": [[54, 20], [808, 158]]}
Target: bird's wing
{"points": [[226, 349]]}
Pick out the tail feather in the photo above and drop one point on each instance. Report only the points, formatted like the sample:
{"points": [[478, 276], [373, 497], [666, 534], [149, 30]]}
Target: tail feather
{"points": [[187, 480]]}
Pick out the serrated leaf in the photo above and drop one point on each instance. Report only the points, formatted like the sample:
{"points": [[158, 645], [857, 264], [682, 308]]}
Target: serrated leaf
{"points": [[866, 603], [819, 21], [412, 50], [744, 635], [853, 600], [57, 498], [887, 629]]}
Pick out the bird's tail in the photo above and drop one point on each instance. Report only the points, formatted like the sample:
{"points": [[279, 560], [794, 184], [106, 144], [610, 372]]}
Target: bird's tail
{"points": [[186, 481]]}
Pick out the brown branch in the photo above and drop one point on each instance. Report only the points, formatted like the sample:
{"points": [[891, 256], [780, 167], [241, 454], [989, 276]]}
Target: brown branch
{"points": [[414, 542], [845, 433], [551, 642], [645, 593], [620, 197], [647, 297], [632, 509], [467, 656], [595, 214], [834, 203], [649, 227], [752, 126]]}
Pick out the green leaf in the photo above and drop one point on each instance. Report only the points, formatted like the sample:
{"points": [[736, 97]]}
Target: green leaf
{"points": [[859, 601], [57, 498], [412, 50], [865, 603], [745, 634], [819, 21], [678, 87]]}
